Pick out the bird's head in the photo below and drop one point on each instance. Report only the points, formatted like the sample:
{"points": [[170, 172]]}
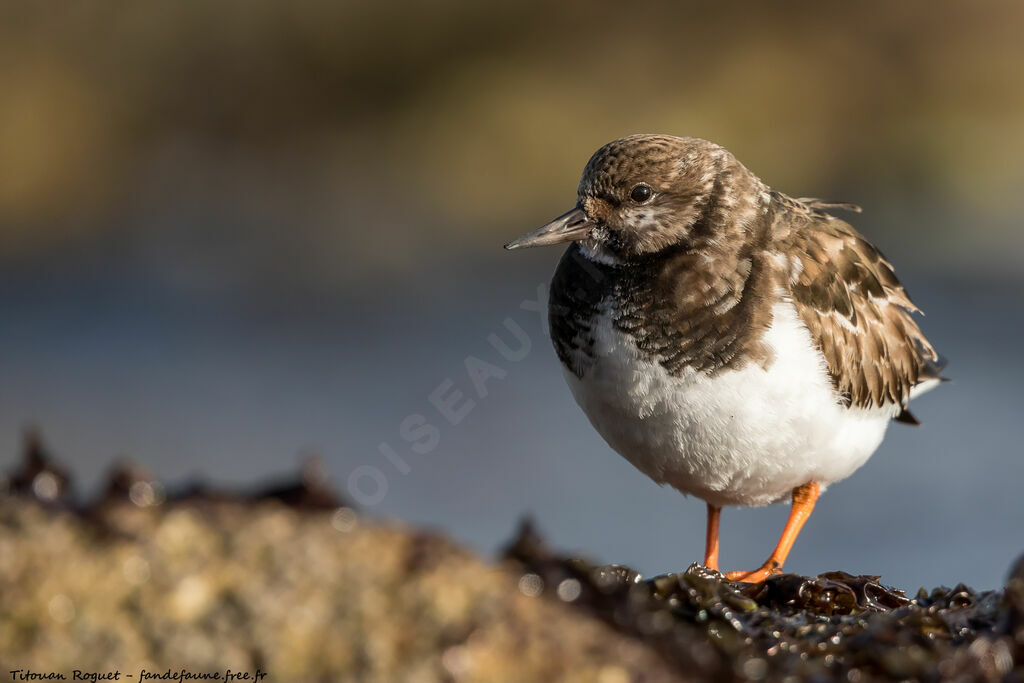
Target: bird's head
{"points": [[643, 194]]}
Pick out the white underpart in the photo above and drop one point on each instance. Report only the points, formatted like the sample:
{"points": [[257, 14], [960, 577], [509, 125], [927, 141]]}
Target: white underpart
{"points": [[741, 437], [924, 386]]}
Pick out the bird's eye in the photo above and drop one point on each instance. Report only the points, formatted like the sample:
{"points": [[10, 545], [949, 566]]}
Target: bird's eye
{"points": [[641, 193]]}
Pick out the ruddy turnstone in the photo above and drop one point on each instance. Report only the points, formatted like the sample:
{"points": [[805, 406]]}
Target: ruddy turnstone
{"points": [[735, 343]]}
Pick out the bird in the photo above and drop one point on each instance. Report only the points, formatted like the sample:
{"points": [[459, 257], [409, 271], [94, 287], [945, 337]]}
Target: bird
{"points": [[737, 344]]}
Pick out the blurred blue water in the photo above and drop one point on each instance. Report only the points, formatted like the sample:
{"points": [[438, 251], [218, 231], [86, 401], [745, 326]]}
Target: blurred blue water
{"points": [[114, 363]]}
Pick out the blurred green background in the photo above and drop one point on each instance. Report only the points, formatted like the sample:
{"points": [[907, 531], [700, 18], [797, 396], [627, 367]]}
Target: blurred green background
{"points": [[333, 118], [232, 232]]}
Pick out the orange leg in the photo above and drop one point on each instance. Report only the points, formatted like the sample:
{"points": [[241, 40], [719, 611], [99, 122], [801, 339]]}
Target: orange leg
{"points": [[711, 542], [804, 498]]}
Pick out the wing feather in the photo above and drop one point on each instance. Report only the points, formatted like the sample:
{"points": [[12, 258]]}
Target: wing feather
{"points": [[857, 311]]}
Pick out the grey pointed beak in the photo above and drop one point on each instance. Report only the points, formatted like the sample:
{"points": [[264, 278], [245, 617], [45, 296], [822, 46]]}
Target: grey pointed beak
{"points": [[570, 226]]}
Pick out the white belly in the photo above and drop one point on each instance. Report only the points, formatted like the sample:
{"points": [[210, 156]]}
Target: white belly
{"points": [[741, 437]]}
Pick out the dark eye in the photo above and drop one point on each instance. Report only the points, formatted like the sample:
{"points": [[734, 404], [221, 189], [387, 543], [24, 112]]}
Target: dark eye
{"points": [[641, 193]]}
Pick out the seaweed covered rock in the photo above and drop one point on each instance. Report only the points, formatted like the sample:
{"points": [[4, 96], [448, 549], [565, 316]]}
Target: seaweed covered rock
{"points": [[289, 580], [835, 626], [300, 594]]}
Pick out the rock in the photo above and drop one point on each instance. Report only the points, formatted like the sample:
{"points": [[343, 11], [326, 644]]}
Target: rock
{"points": [[835, 626], [299, 593], [38, 475], [291, 581]]}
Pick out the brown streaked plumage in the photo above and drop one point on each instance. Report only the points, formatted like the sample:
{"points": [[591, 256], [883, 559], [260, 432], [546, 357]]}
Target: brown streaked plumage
{"points": [[725, 338], [681, 316], [856, 310]]}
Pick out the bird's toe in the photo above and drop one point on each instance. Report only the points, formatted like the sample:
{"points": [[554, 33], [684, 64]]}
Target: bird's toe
{"points": [[755, 576]]}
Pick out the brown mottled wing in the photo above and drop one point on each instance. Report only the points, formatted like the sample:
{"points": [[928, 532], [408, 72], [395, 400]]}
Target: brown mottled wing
{"points": [[856, 310]]}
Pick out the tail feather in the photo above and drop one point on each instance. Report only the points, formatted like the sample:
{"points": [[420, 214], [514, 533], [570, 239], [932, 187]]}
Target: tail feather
{"points": [[929, 378]]}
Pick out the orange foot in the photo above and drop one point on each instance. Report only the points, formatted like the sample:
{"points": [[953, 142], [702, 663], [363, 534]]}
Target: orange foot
{"points": [[804, 498], [756, 576]]}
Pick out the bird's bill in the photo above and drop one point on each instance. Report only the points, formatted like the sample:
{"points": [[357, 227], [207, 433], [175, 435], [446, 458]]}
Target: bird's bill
{"points": [[570, 226]]}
